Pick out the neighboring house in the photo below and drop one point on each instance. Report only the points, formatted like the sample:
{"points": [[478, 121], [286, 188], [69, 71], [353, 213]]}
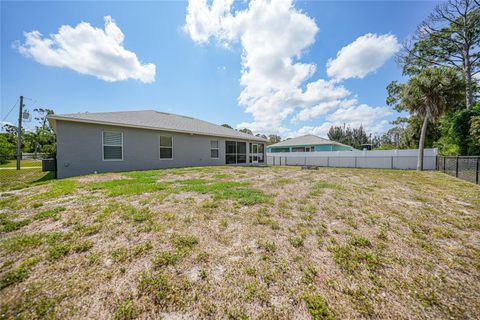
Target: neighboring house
{"points": [[140, 140], [307, 143]]}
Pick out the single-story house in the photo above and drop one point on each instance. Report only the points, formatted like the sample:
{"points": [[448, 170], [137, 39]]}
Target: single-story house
{"points": [[141, 140], [307, 143]]}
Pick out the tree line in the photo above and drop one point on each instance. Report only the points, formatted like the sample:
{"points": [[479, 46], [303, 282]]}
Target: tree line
{"points": [[40, 140], [442, 63]]}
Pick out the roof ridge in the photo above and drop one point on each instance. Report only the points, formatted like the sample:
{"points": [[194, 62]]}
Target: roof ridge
{"points": [[154, 119]]}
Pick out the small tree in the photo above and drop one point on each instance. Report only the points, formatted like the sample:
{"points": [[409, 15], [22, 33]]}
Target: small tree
{"points": [[427, 95], [246, 130], [273, 138]]}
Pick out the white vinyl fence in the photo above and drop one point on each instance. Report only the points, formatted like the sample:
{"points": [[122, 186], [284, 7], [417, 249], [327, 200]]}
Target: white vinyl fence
{"points": [[380, 159]]}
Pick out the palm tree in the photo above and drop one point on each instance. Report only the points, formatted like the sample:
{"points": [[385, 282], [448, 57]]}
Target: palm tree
{"points": [[427, 95]]}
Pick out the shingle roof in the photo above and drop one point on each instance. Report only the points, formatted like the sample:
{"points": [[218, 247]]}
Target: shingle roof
{"points": [[306, 140], [151, 119]]}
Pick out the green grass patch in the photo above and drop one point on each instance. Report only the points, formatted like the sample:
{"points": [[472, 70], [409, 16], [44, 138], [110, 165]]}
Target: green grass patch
{"points": [[166, 258], [19, 179], [351, 258], [131, 213], [138, 182], [18, 243], [126, 311], [13, 277], [52, 213], [83, 246], [359, 241], [319, 186], [318, 307], [163, 289], [23, 163], [8, 225], [59, 250], [183, 242], [239, 191], [123, 254], [58, 188], [296, 241]]}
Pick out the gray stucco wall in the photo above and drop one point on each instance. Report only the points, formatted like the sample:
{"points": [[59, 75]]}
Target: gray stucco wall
{"points": [[79, 150]]}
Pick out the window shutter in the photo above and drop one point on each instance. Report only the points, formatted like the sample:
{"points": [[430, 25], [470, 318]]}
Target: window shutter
{"points": [[112, 145], [112, 138]]}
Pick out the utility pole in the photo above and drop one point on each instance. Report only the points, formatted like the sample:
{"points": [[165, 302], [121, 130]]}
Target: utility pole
{"points": [[19, 135]]}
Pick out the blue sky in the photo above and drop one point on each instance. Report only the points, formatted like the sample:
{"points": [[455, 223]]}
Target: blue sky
{"points": [[203, 78]]}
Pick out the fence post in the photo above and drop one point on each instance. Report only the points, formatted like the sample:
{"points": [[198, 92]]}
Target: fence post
{"points": [[286, 160], [444, 160], [456, 167], [328, 161], [391, 163], [355, 162], [478, 169]]}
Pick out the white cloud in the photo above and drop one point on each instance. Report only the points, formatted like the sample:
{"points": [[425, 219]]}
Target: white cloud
{"points": [[3, 123], [88, 50], [371, 118], [273, 35], [276, 84], [363, 56], [359, 115], [320, 130]]}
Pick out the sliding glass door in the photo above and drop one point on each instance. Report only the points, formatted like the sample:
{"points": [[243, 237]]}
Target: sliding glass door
{"points": [[236, 152]]}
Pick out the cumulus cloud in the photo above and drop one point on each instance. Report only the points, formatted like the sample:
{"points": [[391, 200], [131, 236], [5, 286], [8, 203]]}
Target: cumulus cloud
{"points": [[273, 35], [359, 115], [88, 50], [363, 56], [276, 84], [371, 118]]}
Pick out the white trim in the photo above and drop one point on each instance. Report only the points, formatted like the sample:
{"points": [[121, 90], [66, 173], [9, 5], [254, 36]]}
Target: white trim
{"points": [[217, 148], [159, 146], [104, 145]]}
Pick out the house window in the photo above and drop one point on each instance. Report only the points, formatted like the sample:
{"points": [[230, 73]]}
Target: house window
{"points": [[166, 147], [298, 149], [214, 151], [112, 145]]}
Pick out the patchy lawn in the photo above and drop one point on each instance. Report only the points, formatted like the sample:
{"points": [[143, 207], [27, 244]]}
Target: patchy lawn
{"points": [[233, 242], [11, 179], [23, 163]]}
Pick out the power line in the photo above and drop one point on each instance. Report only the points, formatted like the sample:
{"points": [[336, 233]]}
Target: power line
{"points": [[10, 111]]}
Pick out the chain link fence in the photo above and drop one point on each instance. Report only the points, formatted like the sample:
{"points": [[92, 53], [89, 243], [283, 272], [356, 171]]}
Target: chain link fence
{"points": [[31, 170], [463, 167]]}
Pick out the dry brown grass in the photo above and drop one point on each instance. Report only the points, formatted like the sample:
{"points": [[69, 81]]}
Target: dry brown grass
{"points": [[233, 242]]}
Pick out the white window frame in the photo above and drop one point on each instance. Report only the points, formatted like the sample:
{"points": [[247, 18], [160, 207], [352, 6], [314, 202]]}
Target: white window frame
{"points": [[160, 146], [217, 148], [111, 145]]}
